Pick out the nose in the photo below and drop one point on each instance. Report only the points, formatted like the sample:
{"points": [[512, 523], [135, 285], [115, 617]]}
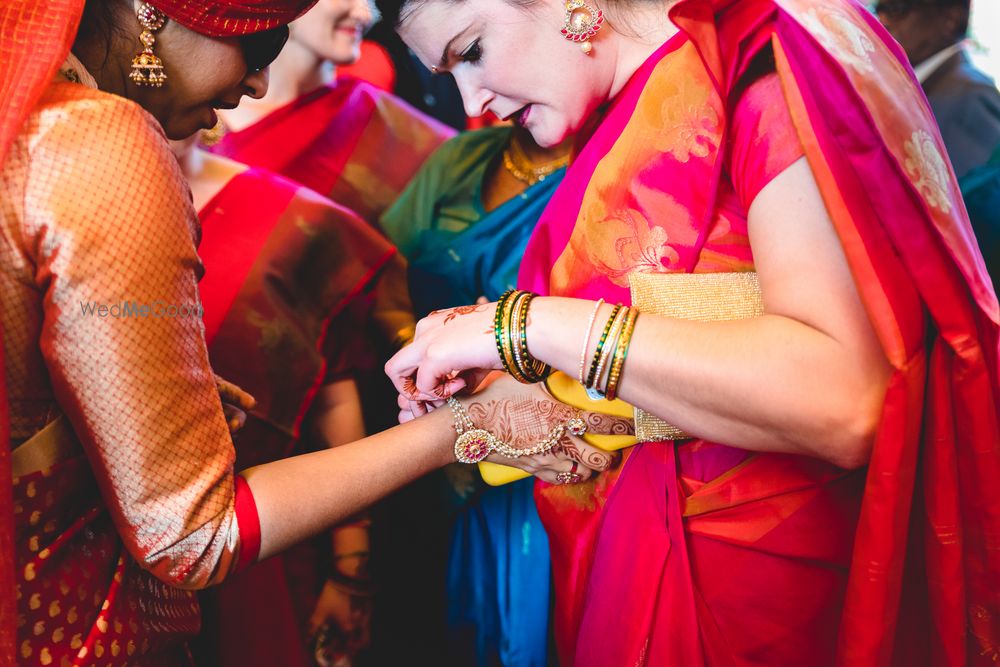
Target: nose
{"points": [[475, 98], [362, 12], [255, 84]]}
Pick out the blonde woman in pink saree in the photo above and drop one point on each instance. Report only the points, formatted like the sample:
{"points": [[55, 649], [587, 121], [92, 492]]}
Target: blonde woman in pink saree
{"points": [[834, 500]]}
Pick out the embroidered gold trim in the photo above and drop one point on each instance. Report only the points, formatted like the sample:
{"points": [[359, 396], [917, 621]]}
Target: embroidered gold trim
{"points": [[704, 297]]}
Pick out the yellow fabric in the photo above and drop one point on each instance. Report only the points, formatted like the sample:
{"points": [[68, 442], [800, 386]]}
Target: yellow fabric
{"points": [[567, 390]]}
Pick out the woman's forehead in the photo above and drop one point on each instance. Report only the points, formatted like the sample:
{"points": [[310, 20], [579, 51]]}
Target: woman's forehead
{"points": [[432, 24]]}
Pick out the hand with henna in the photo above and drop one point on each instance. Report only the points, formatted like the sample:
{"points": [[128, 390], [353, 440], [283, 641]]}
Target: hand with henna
{"points": [[451, 350], [521, 415]]}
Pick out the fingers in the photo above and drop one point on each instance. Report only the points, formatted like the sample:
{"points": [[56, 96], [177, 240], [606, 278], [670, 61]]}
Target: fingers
{"points": [[572, 455], [230, 393], [235, 418], [565, 472], [402, 368], [575, 449], [434, 383], [419, 377], [410, 410]]}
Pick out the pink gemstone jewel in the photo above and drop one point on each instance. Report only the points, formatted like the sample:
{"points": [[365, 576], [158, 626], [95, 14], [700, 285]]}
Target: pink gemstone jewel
{"points": [[474, 446]]}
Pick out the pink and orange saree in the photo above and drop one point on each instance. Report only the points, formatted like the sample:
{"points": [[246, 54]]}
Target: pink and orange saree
{"points": [[721, 557]]}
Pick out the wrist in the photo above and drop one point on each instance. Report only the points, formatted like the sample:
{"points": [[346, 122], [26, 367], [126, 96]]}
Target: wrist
{"points": [[556, 327], [442, 435]]}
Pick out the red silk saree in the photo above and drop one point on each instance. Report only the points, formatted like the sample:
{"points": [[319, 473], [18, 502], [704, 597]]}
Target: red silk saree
{"points": [[350, 141], [719, 557], [281, 264], [282, 267]]}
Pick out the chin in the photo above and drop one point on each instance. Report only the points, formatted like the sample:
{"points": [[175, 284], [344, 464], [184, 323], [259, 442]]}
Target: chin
{"points": [[547, 137], [182, 128], [343, 51]]}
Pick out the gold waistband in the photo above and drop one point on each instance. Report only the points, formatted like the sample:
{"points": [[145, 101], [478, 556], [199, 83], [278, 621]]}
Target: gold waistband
{"points": [[55, 443]]}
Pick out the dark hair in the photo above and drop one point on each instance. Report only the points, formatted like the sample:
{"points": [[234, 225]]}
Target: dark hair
{"points": [[897, 8], [98, 24], [407, 7]]}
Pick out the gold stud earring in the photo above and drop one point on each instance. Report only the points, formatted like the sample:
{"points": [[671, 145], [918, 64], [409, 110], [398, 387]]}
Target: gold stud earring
{"points": [[582, 21], [147, 68]]}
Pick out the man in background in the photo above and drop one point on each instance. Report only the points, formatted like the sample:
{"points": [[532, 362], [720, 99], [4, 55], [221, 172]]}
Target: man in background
{"points": [[965, 101]]}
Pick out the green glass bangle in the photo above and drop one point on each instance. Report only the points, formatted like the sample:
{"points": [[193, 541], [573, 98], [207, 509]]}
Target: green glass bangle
{"points": [[532, 369], [618, 365], [498, 328], [511, 337], [600, 346]]}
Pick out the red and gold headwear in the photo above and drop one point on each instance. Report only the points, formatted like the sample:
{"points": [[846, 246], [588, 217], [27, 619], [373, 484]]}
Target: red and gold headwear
{"points": [[229, 18], [36, 36]]}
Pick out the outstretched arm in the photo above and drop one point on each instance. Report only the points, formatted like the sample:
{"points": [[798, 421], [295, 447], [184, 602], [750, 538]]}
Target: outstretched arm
{"points": [[807, 377]]}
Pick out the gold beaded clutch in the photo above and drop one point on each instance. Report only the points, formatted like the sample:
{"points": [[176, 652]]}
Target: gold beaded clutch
{"points": [[704, 297]]}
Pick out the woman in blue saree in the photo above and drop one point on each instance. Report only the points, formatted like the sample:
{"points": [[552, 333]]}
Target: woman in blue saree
{"points": [[463, 223]]}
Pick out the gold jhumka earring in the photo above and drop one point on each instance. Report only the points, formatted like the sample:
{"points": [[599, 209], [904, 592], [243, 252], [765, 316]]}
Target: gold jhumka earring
{"points": [[147, 68], [582, 22]]}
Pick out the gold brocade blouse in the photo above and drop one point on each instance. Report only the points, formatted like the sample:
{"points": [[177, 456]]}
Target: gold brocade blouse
{"points": [[102, 323]]}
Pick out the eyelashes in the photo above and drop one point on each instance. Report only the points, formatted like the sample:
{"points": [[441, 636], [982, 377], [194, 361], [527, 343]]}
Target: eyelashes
{"points": [[473, 54]]}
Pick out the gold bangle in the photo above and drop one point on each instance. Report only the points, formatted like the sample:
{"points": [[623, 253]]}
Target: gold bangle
{"points": [[510, 337], [609, 347], [498, 327], [503, 333], [532, 369], [621, 350], [522, 366]]}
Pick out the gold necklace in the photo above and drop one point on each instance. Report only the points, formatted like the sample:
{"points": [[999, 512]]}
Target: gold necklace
{"points": [[520, 166]]}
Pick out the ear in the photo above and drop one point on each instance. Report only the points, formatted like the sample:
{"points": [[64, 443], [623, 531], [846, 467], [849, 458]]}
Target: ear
{"points": [[956, 20]]}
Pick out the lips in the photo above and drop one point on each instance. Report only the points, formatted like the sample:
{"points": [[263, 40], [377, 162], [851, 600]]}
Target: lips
{"points": [[352, 29], [522, 117], [518, 116]]}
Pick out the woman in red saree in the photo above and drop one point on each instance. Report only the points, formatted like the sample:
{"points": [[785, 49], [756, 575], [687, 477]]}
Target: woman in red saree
{"points": [[790, 138], [284, 270], [340, 136]]}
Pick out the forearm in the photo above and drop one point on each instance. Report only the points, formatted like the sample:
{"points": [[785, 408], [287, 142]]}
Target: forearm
{"points": [[765, 384], [350, 549], [336, 415], [303, 495]]}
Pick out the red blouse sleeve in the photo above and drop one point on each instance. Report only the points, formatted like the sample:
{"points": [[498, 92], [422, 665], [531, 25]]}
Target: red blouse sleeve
{"points": [[763, 141], [249, 523]]}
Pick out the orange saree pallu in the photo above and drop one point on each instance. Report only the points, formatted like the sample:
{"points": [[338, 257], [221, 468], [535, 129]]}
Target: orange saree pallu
{"points": [[350, 141], [282, 267], [693, 553]]}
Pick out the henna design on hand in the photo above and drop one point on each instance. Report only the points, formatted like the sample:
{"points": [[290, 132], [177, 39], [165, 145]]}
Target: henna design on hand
{"points": [[589, 458], [461, 310], [410, 388]]}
